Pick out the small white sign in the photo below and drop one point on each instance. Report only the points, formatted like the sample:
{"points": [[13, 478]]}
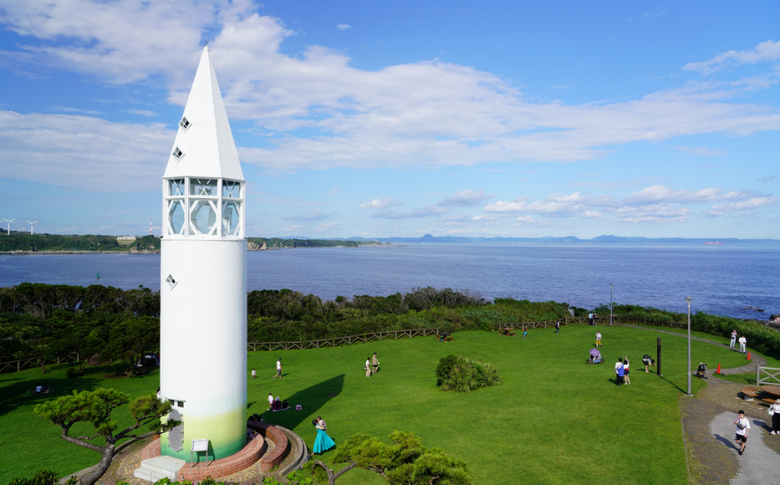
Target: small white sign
{"points": [[200, 445]]}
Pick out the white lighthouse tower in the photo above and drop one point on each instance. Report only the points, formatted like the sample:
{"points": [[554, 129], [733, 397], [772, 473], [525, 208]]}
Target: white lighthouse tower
{"points": [[203, 279]]}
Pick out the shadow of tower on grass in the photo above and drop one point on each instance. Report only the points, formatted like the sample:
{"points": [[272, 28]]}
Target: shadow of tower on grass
{"points": [[312, 399]]}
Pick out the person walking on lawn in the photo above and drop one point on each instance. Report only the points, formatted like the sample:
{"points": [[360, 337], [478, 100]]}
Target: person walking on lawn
{"points": [[743, 344], [375, 363], [557, 326], [598, 339], [278, 368], [743, 427]]}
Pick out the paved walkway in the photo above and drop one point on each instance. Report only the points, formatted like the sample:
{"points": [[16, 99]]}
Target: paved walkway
{"points": [[759, 463], [709, 430]]}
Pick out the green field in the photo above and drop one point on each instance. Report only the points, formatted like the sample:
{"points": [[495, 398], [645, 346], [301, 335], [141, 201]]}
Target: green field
{"points": [[553, 420]]}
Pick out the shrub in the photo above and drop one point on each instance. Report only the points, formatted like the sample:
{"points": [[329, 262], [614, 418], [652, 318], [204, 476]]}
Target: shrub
{"points": [[43, 477], [461, 374]]}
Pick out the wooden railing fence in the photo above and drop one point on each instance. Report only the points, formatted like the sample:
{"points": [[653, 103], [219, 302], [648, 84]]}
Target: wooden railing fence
{"points": [[543, 324], [18, 365], [337, 341]]}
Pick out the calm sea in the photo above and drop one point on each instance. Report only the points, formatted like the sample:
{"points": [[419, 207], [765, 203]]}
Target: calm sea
{"points": [[721, 279]]}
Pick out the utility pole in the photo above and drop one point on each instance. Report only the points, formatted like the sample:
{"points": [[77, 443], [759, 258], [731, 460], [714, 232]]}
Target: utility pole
{"points": [[688, 299]]}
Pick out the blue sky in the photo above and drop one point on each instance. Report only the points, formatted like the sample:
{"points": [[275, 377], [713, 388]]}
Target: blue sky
{"points": [[373, 119]]}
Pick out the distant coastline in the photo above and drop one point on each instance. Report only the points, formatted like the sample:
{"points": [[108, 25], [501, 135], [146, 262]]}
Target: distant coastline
{"points": [[20, 243]]}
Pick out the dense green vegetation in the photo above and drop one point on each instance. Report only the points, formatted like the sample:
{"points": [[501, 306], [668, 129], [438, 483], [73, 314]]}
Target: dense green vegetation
{"points": [[54, 242], [461, 374], [275, 242], [51, 322], [19, 241], [760, 337], [553, 418]]}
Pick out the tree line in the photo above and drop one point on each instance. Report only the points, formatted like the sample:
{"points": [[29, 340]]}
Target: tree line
{"points": [[55, 242], [51, 322]]}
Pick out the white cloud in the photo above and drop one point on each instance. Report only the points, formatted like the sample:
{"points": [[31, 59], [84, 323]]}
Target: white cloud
{"points": [[703, 151], [424, 114], [530, 221], [764, 52], [766, 178], [143, 112], [656, 213], [565, 86], [83, 152], [343, 26], [317, 215], [291, 228], [330, 226], [664, 194], [378, 204], [745, 205], [465, 198], [426, 211], [654, 204]]}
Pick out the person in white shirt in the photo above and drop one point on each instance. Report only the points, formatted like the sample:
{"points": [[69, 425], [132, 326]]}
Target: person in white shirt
{"points": [[774, 411], [368, 367], [743, 344], [743, 427], [733, 341], [598, 339], [278, 368], [270, 401], [254, 373]]}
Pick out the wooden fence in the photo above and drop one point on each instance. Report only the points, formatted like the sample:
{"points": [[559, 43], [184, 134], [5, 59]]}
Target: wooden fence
{"points": [[642, 321], [18, 365], [337, 341], [544, 324]]}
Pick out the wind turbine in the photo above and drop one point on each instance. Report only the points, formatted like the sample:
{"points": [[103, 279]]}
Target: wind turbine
{"points": [[31, 226], [9, 225]]}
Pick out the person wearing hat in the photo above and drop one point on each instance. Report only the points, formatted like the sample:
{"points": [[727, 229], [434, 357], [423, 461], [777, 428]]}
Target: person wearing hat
{"points": [[774, 411], [733, 341], [743, 427]]}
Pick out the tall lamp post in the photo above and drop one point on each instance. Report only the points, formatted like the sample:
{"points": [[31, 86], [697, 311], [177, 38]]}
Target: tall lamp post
{"points": [[688, 299], [610, 304]]}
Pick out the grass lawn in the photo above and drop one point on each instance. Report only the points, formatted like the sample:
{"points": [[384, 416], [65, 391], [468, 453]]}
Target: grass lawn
{"points": [[553, 420]]}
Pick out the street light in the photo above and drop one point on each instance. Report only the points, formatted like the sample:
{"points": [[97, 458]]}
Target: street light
{"points": [[688, 299], [610, 304]]}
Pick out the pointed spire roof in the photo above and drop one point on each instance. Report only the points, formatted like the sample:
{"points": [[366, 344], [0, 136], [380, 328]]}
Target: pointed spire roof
{"points": [[205, 146]]}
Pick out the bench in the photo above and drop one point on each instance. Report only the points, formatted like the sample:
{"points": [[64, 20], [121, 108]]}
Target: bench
{"points": [[749, 393], [281, 444], [507, 332]]}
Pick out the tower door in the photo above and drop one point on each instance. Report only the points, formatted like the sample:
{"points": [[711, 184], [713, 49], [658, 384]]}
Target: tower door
{"points": [[176, 435]]}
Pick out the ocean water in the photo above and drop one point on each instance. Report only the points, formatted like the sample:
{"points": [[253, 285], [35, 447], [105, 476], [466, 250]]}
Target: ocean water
{"points": [[721, 279]]}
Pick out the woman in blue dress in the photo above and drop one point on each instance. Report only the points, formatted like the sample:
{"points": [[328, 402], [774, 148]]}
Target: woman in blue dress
{"points": [[323, 442]]}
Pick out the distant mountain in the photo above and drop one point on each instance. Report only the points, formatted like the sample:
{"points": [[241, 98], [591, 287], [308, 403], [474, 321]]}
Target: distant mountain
{"points": [[567, 239]]}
